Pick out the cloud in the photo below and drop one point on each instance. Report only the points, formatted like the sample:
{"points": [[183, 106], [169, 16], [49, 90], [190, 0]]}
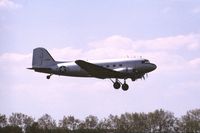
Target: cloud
{"points": [[176, 77], [166, 51], [8, 4], [67, 53], [196, 10], [187, 42], [195, 62]]}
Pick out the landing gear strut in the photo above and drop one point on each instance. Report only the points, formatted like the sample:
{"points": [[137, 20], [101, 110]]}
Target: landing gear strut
{"points": [[49, 76], [117, 84]]}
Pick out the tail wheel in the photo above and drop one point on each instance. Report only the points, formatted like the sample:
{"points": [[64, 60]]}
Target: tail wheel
{"points": [[49, 76], [116, 85], [125, 87]]}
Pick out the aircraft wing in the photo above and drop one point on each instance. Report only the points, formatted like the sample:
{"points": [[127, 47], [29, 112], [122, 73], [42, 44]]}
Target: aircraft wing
{"points": [[98, 71]]}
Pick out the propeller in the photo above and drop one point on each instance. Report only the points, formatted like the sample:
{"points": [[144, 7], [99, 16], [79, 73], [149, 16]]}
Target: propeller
{"points": [[145, 76]]}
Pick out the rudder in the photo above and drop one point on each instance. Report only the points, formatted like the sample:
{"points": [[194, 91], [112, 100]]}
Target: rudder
{"points": [[42, 58]]}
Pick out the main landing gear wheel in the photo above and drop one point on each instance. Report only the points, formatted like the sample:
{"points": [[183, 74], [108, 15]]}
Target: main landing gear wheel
{"points": [[116, 85], [125, 87]]}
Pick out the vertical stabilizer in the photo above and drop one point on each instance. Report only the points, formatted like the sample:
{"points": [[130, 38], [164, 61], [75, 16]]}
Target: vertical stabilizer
{"points": [[42, 58]]}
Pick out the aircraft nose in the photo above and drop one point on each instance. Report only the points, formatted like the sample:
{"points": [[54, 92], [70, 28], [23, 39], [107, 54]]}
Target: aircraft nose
{"points": [[153, 66]]}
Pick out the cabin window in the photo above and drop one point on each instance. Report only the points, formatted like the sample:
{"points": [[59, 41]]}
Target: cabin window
{"points": [[107, 66], [114, 65], [120, 65]]}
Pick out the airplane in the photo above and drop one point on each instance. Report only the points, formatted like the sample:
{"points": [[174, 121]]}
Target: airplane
{"points": [[116, 69]]}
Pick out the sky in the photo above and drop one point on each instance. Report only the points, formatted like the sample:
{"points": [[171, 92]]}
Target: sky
{"points": [[166, 32]]}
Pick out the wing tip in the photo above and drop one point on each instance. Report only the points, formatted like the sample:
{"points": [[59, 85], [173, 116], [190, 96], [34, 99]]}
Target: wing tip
{"points": [[78, 61]]}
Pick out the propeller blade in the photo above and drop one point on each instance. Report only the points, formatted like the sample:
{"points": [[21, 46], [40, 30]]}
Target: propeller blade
{"points": [[143, 77]]}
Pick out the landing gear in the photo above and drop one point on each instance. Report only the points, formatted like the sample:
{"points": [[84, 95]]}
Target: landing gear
{"points": [[49, 76], [125, 87], [117, 84]]}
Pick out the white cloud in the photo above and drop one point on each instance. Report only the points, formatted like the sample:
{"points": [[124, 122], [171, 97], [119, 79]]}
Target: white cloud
{"points": [[186, 42], [196, 10], [66, 53], [14, 57], [115, 41], [195, 62], [8, 4], [60, 93]]}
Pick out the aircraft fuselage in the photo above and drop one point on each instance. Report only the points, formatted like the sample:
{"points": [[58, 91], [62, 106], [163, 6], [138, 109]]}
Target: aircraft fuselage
{"points": [[112, 68]]}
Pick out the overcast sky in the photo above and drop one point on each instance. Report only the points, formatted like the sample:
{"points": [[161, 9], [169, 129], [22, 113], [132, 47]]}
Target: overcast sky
{"points": [[166, 32]]}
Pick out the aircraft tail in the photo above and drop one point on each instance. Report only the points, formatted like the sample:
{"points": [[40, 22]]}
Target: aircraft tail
{"points": [[42, 58]]}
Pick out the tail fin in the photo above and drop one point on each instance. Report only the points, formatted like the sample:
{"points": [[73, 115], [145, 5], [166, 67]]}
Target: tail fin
{"points": [[42, 58]]}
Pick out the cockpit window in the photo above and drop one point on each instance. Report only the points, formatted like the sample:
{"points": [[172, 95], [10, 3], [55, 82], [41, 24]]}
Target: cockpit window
{"points": [[145, 61]]}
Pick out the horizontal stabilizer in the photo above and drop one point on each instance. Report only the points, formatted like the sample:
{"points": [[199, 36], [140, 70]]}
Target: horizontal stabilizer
{"points": [[40, 69]]}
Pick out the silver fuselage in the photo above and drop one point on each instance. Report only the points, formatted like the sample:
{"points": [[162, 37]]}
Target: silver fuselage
{"points": [[131, 68]]}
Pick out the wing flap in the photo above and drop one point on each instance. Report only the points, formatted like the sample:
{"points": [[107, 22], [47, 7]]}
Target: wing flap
{"points": [[97, 71]]}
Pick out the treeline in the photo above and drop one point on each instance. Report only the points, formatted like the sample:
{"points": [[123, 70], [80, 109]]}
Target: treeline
{"points": [[157, 121]]}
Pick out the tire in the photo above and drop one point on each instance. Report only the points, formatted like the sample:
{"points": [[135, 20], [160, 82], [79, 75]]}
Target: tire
{"points": [[116, 85], [125, 87]]}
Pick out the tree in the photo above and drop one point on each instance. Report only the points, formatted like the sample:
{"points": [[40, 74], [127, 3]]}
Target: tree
{"points": [[114, 122], [20, 120], [34, 128], [69, 123], [191, 121], [27, 121], [16, 119], [136, 122], [161, 121], [105, 124], [91, 122], [46, 122], [11, 129], [3, 120]]}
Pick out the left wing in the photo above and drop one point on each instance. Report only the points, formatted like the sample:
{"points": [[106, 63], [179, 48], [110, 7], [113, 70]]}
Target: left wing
{"points": [[98, 71]]}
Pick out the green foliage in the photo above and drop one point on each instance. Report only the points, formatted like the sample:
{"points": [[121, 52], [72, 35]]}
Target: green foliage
{"points": [[157, 121], [3, 120], [11, 129], [191, 121], [69, 123], [46, 122]]}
